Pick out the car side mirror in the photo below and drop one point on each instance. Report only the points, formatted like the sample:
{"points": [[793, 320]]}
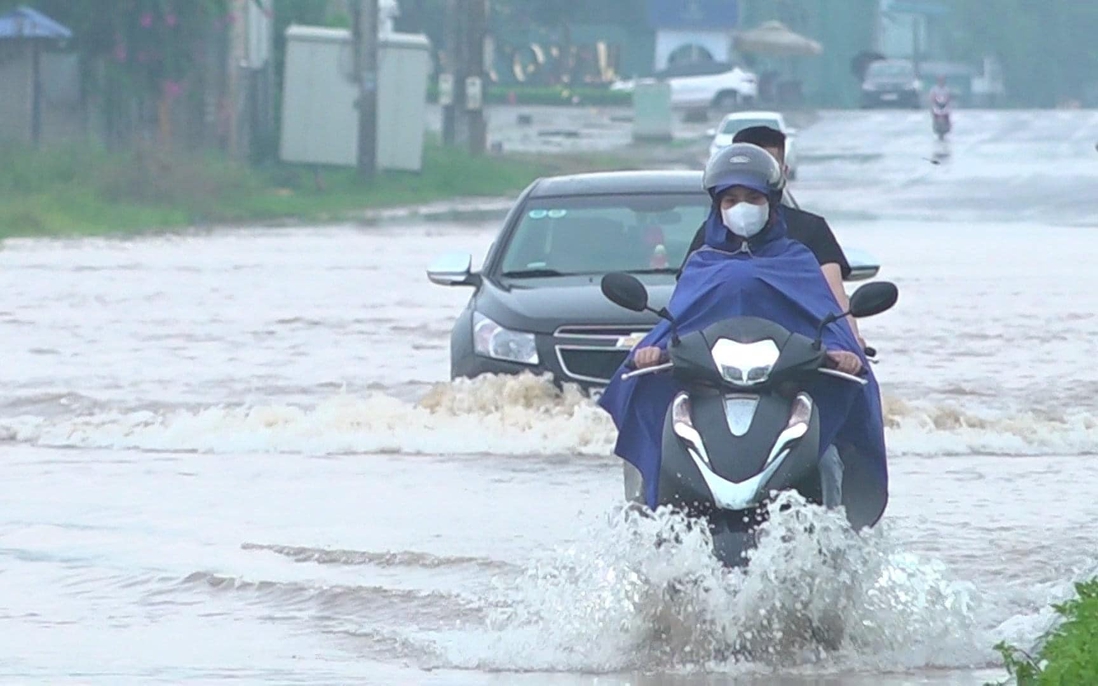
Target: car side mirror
{"points": [[625, 290], [863, 266], [454, 269], [873, 299], [710, 132]]}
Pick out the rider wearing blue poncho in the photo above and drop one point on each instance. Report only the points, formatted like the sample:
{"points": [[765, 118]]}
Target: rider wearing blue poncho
{"points": [[749, 267]]}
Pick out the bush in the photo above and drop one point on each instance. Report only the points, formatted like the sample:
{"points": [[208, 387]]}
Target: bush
{"points": [[154, 177], [1069, 653]]}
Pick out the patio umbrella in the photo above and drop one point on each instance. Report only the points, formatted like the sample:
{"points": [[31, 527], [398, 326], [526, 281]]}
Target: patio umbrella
{"points": [[775, 38]]}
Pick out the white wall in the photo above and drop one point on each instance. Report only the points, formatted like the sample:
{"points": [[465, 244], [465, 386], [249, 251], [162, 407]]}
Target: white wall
{"points": [[718, 43]]}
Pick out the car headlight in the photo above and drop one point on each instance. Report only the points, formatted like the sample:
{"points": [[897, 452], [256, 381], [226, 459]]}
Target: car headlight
{"points": [[745, 364], [492, 340]]}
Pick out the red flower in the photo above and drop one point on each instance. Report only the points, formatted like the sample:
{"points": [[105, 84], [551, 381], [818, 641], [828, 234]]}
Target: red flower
{"points": [[171, 89]]}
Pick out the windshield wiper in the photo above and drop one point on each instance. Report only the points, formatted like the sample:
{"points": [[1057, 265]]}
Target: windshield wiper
{"points": [[654, 270], [532, 273]]}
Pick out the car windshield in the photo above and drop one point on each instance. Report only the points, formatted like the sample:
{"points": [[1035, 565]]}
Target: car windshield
{"points": [[890, 70], [606, 233], [734, 126]]}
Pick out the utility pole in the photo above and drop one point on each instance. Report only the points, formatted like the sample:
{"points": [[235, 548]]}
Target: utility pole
{"points": [[237, 90], [452, 80], [365, 40], [461, 86], [477, 30]]}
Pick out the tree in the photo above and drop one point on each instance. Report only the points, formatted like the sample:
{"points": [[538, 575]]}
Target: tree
{"points": [[1047, 47]]}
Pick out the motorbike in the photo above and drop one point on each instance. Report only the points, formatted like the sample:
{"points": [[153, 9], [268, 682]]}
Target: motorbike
{"points": [[939, 111], [743, 427]]}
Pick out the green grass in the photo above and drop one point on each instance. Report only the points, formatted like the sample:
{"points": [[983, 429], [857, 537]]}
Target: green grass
{"points": [[587, 96], [82, 191], [1068, 654]]}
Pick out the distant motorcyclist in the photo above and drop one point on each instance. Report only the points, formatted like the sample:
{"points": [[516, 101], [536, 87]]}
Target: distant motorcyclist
{"points": [[941, 99]]}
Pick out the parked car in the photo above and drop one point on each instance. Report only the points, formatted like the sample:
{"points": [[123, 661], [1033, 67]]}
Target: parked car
{"points": [[537, 305], [721, 85], [892, 83], [737, 121]]}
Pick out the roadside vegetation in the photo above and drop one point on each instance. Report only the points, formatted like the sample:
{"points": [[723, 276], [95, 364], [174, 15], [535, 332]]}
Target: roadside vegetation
{"points": [[80, 190], [1068, 654]]}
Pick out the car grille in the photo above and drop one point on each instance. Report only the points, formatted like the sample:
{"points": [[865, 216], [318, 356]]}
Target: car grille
{"points": [[598, 332], [596, 366], [591, 353]]}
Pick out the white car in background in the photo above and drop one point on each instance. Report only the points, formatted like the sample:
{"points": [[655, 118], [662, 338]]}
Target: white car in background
{"points": [[737, 121], [701, 85]]}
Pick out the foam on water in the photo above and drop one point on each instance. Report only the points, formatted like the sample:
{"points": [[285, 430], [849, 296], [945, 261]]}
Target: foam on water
{"points": [[506, 415]]}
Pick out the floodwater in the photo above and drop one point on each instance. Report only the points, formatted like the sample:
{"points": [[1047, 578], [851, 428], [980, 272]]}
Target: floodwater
{"points": [[236, 455]]}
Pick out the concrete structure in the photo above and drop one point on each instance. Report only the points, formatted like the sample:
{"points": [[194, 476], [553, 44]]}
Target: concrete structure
{"points": [[319, 117], [39, 80]]}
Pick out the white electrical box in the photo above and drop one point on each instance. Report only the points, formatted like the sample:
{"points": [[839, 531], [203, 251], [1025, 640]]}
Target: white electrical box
{"points": [[320, 92], [652, 119]]}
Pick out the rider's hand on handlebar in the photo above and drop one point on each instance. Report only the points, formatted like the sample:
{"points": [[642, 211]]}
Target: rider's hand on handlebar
{"points": [[844, 361], [647, 357]]}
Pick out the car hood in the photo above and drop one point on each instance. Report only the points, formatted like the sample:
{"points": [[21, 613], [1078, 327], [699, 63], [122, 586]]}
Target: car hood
{"points": [[545, 304]]}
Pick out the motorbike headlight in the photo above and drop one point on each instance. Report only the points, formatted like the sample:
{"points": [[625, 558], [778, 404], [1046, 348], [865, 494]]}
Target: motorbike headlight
{"points": [[492, 340], [745, 364]]}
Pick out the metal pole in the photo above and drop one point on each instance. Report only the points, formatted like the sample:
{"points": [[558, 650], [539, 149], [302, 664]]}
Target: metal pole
{"points": [[455, 116], [448, 73], [235, 71], [477, 29], [365, 34], [36, 91]]}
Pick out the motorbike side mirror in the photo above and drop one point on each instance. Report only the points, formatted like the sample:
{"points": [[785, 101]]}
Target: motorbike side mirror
{"points": [[873, 299], [869, 300], [625, 290]]}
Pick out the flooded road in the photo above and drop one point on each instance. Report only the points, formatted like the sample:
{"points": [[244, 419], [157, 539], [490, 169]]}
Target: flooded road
{"points": [[236, 455]]}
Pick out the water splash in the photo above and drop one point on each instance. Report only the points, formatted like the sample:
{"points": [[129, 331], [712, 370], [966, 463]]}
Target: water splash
{"points": [[646, 593]]}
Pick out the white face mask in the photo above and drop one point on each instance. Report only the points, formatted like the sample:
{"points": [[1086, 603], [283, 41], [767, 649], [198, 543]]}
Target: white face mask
{"points": [[744, 219]]}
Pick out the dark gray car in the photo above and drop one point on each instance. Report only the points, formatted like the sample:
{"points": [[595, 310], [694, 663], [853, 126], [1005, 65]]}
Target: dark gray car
{"points": [[892, 83], [537, 305]]}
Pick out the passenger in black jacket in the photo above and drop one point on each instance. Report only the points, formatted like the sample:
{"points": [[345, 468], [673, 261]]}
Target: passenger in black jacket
{"points": [[810, 229]]}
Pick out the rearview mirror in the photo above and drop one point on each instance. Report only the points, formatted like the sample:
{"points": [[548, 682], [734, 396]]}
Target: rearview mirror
{"points": [[873, 298], [625, 290], [454, 269]]}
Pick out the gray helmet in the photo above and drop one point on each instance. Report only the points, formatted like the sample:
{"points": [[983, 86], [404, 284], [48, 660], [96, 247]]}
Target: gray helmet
{"points": [[744, 164]]}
